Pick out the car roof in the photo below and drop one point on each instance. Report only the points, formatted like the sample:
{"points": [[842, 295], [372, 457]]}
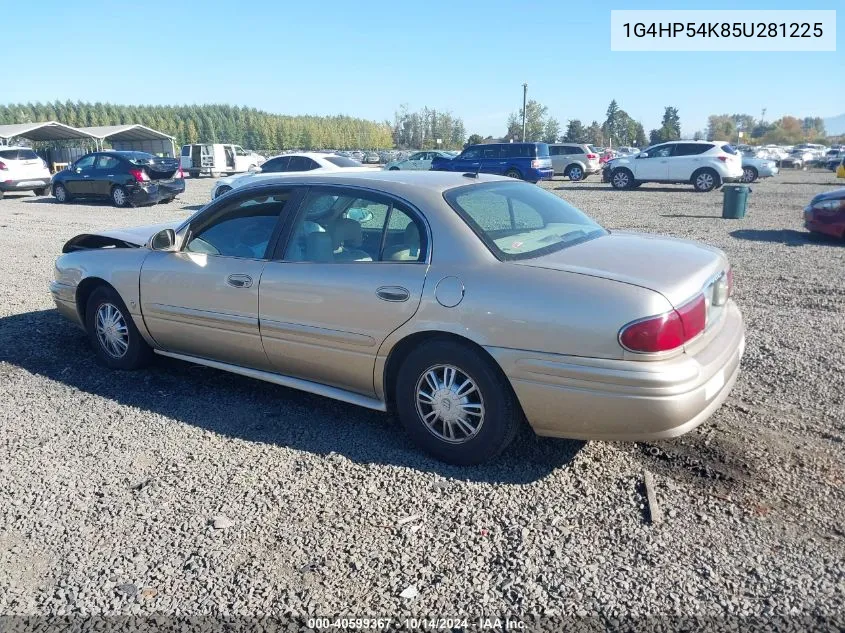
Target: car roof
{"points": [[395, 182]]}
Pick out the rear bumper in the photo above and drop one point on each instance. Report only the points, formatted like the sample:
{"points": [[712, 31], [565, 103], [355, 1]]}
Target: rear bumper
{"points": [[536, 175], [25, 184], [598, 399], [156, 191]]}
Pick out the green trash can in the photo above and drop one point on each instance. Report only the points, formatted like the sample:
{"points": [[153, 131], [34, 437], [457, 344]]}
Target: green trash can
{"points": [[735, 201]]}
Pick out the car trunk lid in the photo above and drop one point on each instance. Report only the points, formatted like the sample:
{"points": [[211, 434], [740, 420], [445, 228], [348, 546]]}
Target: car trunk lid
{"points": [[158, 167], [677, 269]]}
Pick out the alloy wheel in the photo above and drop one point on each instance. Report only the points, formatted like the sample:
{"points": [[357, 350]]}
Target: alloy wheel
{"points": [[60, 193], [119, 196], [112, 331], [705, 181], [449, 403], [620, 179], [575, 173]]}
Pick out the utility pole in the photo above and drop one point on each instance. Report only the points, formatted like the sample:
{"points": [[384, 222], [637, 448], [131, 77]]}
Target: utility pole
{"points": [[524, 103]]}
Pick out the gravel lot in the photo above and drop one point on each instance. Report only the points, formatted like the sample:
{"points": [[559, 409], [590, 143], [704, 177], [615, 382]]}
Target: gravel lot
{"points": [[111, 482]]}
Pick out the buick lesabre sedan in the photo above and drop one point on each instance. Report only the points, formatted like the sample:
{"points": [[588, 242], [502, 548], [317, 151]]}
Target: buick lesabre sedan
{"points": [[465, 303]]}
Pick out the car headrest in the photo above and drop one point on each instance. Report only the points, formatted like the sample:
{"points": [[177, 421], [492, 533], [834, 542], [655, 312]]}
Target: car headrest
{"points": [[318, 247], [412, 235], [347, 232]]}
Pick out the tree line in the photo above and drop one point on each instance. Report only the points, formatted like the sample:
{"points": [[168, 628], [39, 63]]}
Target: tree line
{"points": [[618, 128], [424, 128], [787, 130], [214, 123]]}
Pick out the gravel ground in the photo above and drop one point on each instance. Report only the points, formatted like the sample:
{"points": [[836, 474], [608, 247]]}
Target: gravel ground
{"points": [[183, 490]]}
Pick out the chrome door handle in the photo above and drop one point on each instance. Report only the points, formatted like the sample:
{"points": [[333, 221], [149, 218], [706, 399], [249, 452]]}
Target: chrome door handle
{"points": [[396, 294], [239, 281]]}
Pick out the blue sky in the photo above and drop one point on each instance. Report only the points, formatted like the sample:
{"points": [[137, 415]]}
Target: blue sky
{"points": [[366, 58]]}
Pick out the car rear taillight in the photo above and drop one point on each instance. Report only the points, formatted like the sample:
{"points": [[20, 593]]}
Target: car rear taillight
{"points": [[592, 156], [180, 173], [3, 165], [666, 331], [724, 159], [535, 164], [139, 175]]}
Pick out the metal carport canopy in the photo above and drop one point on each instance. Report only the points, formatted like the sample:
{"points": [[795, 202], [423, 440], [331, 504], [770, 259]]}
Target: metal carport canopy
{"points": [[134, 132], [48, 131]]}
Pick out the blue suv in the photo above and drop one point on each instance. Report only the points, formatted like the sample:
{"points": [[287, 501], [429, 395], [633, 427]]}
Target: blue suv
{"points": [[527, 161]]}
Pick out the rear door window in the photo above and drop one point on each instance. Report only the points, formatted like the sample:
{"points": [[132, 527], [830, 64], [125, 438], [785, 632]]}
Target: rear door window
{"points": [[491, 152], [540, 150], [728, 149], [473, 153], [107, 162], [275, 165], [691, 149]]}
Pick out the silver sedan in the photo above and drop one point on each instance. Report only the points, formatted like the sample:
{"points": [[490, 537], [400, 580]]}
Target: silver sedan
{"points": [[466, 303]]}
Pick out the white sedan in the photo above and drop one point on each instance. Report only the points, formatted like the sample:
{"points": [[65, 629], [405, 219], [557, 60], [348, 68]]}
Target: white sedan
{"points": [[289, 163]]}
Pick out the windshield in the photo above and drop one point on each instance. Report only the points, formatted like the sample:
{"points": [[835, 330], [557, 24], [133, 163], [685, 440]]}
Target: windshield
{"points": [[520, 221], [342, 161]]}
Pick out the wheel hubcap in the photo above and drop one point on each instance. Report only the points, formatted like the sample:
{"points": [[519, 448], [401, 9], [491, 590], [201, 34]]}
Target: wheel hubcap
{"points": [[112, 331], [748, 175], [119, 196], [620, 179], [705, 181], [449, 404], [60, 194], [575, 174]]}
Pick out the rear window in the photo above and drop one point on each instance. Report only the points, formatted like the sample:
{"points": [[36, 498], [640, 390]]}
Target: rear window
{"points": [[542, 150], [186, 150], [18, 154], [729, 149], [520, 221], [341, 161]]}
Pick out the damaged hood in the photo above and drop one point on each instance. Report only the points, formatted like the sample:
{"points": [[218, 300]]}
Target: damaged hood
{"points": [[133, 237]]}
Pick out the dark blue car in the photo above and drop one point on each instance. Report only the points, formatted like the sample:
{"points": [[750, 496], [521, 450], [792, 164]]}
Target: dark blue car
{"points": [[527, 161]]}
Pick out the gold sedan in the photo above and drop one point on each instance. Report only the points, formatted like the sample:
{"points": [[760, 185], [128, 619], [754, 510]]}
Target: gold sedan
{"points": [[466, 303]]}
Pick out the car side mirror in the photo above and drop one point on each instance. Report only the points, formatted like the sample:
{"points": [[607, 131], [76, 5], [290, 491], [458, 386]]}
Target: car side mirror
{"points": [[164, 240], [78, 170], [642, 155]]}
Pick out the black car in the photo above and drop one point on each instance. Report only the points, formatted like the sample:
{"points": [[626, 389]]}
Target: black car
{"points": [[126, 178]]}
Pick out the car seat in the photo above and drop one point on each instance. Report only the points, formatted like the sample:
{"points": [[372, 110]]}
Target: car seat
{"points": [[409, 250], [347, 237]]}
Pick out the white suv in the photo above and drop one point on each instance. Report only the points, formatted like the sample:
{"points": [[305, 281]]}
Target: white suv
{"points": [[21, 169], [703, 164]]}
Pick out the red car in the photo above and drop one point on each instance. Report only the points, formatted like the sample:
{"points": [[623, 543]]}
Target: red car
{"points": [[826, 213]]}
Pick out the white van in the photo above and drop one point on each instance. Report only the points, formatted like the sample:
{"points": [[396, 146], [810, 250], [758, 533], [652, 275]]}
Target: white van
{"points": [[216, 159]]}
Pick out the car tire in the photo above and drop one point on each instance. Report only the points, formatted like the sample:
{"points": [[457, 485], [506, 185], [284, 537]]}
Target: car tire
{"points": [[393, 169], [221, 190], [194, 174], [574, 173], [705, 180], [637, 184], [112, 331], [476, 439], [44, 191], [61, 193], [119, 196], [2, 193], [621, 178], [749, 174], [513, 173]]}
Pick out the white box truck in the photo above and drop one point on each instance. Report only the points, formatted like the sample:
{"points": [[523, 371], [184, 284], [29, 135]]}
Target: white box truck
{"points": [[216, 159]]}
